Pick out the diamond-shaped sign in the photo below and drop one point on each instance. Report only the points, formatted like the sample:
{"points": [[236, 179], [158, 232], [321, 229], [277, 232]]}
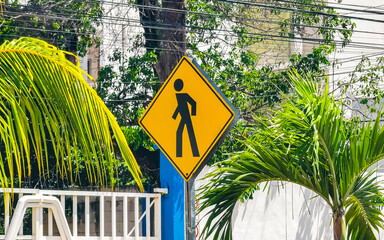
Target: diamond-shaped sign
{"points": [[188, 118]]}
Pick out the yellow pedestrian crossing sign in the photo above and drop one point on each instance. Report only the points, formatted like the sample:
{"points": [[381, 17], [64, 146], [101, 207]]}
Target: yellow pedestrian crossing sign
{"points": [[188, 118]]}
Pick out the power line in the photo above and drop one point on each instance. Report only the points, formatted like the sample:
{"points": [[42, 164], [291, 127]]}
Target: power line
{"points": [[252, 4], [276, 38], [268, 36], [248, 19], [203, 14], [259, 20], [341, 4], [247, 3], [346, 60], [365, 8], [271, 36], [164, 26], [322, 2], [264, 3], [324, 6], [211, 29], [151, 26]]}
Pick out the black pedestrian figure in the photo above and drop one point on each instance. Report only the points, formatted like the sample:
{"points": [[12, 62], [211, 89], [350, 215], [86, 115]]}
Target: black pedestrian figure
{"points": [[182, 107]]}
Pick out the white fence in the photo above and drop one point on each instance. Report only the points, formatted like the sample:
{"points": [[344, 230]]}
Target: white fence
{"points": [[92, 215]]}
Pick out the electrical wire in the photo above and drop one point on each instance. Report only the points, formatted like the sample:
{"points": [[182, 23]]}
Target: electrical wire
{"points": [[247, 3], [149, 26], [217, 15], [271, 36], [324, 6], [123, 20], [164, 26]]}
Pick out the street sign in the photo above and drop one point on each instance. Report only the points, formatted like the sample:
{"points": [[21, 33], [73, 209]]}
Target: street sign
{"points": [[188, 118]]}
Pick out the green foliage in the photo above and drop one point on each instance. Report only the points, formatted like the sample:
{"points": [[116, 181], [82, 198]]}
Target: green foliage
{"points": [[312, 62], [233, 59], [307, 142], [44, 98], [365, 83], [127, 91], [240, 72], [27, 220], [137, 138], [128, 88], [226, 40], [69, 25], [318, 13]]}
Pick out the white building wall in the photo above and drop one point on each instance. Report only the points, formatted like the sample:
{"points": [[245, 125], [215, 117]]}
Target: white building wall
{"points": [[119, 30], [121, 26], [368, 41], [285, 211]]}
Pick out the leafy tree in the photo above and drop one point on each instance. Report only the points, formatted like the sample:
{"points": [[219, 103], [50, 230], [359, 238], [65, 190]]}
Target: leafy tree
{"points": [[127, 92], [234, 60], [307, 142], [129, 89], [46, 105], [364, 85], [225, 37], [69, 25]]}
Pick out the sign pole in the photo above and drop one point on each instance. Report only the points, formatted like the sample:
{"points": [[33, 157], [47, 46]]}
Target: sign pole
{"points": [[190, 227]]}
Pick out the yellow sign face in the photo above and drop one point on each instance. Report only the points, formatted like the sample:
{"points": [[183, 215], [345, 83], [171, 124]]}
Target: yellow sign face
{"points": [[188, 118]]}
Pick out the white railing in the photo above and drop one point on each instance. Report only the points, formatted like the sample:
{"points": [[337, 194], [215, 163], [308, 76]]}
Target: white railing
{"points": [[91, 215]]}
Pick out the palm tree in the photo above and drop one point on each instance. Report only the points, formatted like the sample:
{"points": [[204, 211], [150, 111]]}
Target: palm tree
{"points": [[307, 142], [44, 97]]}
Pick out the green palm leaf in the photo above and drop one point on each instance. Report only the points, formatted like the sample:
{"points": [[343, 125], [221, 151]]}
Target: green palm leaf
{"points": [[44, 96], [307, 142], [363, 215]]}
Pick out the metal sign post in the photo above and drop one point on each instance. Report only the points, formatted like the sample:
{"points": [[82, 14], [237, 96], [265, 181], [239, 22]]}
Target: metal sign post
{"points": [[190, 226]]}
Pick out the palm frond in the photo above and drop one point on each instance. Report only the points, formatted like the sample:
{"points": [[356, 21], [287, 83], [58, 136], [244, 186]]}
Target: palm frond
{"points": [[308, 142], [44, 97], [363, 205], [235, 180]]}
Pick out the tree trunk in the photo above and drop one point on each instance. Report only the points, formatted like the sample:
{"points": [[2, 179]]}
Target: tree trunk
{"points": [[173, 36], [149, 19], [71, 46], [339, 230]]}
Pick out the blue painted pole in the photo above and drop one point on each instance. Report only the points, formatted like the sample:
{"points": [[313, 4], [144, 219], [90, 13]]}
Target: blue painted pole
{"points": [[172, 204], [143, 209]]}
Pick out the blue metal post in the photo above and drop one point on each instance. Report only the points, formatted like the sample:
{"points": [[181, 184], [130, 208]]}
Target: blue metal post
{"points": [[172, 204], [143, 209]]}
